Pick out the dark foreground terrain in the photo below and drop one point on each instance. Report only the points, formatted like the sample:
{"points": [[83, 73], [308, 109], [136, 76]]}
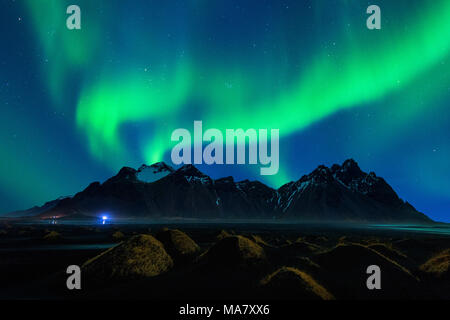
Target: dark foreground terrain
{"points": [[228, 261]]}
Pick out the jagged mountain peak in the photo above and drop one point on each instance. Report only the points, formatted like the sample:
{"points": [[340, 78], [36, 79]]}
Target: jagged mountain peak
{"points": [[322, 174], [158, 166], [193, 175], [190, 169], [126, 173], [145, 173], [153, 172], [350, 163], [348, 172]]}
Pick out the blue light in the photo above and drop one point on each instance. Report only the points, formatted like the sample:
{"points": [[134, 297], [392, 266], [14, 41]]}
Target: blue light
{"points": [[104, 219]]}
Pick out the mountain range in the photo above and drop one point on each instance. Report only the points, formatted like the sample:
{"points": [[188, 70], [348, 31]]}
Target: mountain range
{"points": [[341, 193]]}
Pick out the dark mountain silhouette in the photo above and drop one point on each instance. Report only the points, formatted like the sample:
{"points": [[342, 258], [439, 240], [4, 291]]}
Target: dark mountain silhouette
{"points": [[34, 211], [342, 193]]}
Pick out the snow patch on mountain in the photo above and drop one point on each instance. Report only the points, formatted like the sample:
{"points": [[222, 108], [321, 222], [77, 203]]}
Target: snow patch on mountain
{"points": [[201, 180], [154, 172]]}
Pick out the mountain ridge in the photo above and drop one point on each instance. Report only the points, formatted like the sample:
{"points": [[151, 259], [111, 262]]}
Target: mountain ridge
{"points": [[342, 193]]}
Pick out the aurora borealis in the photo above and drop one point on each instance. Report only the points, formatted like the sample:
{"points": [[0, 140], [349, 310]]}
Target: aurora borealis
{"points": [[77, 105]]}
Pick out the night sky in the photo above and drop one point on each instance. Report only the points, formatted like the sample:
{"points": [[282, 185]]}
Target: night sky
{"points": [[77, 105]]}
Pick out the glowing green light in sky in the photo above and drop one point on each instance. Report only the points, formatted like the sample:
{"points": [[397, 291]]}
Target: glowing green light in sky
{"points": [[371, 70], [365, 68], [104, 107], [63, 50]]}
